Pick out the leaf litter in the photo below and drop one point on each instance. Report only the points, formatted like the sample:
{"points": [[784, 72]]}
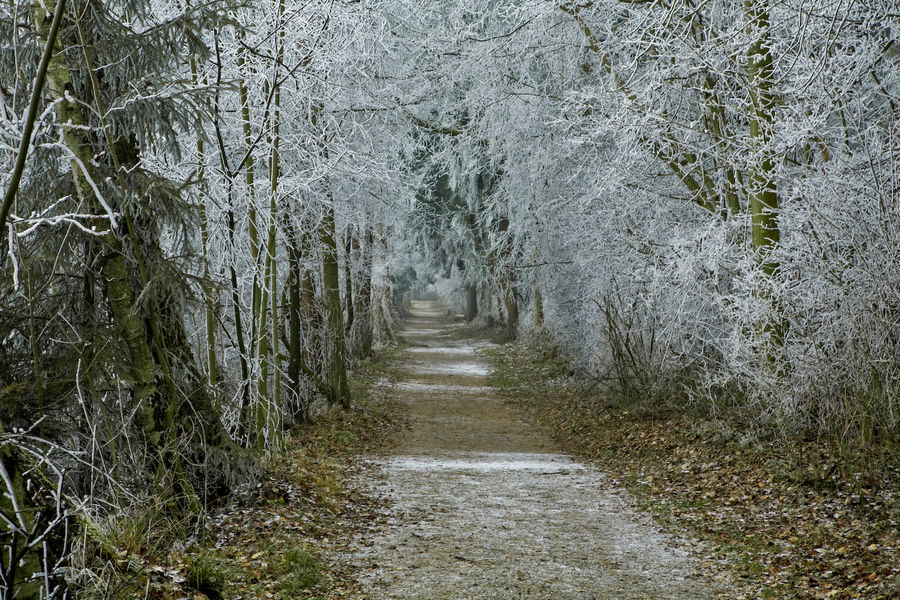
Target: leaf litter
{"points": [[788, 521]]}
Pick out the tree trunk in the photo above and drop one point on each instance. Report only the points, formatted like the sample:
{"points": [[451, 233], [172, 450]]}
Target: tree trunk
{"points": [[508, 292], [511, 302], [337, 385], [362, 330], [152, 333], [249, 177], [140, 369], [471, 302], [268, 409], [763, 189], [230, 224], [350, 245], [32, 530], [382, 309], [275, 414], [208, 292], [296, 358], [487, 304], [309, 313]]}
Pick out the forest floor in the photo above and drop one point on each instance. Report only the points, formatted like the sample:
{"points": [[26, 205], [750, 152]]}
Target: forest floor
{"points": [[794, 521], [276, 541], [449, 479]]}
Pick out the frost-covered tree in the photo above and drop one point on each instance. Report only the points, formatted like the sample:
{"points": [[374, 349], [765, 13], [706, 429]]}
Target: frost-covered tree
{"points": [[670, 176], [98, 368]]}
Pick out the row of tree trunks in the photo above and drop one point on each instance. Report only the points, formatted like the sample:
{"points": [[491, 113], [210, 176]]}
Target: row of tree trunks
{"points": [[509, 302], [171, 402], [150, 328]]}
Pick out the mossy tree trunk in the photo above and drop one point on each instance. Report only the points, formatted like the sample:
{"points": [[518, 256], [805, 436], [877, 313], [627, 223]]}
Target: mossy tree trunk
{"points": [[159, 356], [336, 362], [140, 367], [763, 191], [33, 532]]}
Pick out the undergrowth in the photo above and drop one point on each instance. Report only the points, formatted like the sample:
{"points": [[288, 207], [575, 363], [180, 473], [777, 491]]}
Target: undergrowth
{"points": [[267, 542]]}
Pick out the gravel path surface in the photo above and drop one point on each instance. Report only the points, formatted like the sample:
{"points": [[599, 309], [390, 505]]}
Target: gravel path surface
{"points": [[480, 506]]}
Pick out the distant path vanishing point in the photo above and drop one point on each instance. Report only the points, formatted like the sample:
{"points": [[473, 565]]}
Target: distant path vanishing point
{"points": [[480, 506]]}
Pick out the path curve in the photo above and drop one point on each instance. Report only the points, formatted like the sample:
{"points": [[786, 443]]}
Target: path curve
{"points": [[481, 507]]}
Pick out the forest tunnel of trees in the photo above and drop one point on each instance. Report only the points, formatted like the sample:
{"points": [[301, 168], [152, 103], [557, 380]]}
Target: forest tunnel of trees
{"points": [[213, 210]]}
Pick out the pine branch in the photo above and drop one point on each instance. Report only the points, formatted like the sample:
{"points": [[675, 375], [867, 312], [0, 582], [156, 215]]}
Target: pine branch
{"points": [[41, 76]]}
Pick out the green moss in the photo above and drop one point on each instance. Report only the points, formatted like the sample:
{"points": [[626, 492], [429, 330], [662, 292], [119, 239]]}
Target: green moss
{"points": [[343, 437]]}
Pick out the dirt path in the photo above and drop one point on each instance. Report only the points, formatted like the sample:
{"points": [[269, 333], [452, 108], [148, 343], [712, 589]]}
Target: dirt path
{"points": [[481, 507]]}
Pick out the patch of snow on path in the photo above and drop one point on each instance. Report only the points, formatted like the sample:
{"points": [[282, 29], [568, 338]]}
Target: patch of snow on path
{"points": [[440, 387], [449, 368], [461, 350], [485, 461]]}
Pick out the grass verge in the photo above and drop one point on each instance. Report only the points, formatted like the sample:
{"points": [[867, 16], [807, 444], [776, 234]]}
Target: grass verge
{"points": [[273, 542]]}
